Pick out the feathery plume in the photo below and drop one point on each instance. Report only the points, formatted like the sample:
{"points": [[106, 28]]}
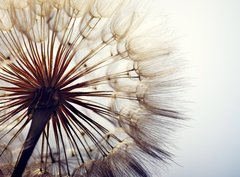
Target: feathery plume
{"points": [[83, 91]]}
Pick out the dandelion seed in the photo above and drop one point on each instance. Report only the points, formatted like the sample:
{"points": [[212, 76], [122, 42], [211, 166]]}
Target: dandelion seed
{"points": [[82, 93]]}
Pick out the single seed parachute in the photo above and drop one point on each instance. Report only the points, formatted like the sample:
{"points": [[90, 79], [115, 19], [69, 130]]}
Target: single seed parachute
{"points": [[83, 90]]}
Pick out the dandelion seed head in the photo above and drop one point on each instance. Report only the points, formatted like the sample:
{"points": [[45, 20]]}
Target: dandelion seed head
{"points": [[83, 91]]}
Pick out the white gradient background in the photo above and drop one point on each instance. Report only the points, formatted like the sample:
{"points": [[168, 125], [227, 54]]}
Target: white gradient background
{"points": [[210, 34]]}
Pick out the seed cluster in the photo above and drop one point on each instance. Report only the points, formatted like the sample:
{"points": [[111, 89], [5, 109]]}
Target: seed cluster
{"points": [[101, 89]]}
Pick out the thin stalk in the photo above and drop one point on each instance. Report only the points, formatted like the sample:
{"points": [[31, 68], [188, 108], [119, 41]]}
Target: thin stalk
{"points": [[40, 118], [40, 111]]}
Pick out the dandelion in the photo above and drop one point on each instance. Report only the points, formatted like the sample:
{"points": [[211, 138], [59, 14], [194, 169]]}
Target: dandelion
{"points": [[83, 90]]}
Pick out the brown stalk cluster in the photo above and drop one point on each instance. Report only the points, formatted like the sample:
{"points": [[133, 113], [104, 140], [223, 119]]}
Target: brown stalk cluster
{"points": [[84, 92]]}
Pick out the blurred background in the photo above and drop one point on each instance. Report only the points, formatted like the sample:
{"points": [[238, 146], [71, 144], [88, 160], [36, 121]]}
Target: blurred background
{"points": [[209, 33]]}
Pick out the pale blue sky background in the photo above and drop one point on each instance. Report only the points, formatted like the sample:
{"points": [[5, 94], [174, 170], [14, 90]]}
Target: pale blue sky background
{"points": [[210, 32]]}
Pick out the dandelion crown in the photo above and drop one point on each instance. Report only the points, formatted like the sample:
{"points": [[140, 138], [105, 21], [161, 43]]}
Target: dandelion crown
{"points": [[84, 92]]}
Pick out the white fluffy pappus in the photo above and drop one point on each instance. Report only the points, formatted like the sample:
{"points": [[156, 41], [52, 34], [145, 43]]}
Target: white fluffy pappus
{"points": [[85, 89]]}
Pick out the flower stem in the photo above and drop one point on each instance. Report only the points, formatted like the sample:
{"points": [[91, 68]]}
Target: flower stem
{"points": [[41, 109], [39, 120]]}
